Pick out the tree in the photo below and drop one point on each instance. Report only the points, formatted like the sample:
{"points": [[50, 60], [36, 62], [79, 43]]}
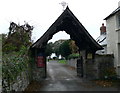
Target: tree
{"points": [[57, 46], [49, 49], [17, 37], [73, 46], [64, 49]]}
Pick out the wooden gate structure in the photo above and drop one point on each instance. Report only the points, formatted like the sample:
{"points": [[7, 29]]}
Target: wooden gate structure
{"points": [[71, 25]]}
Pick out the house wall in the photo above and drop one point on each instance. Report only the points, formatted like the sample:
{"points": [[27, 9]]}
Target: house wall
{"points": [[119, 54], [105, 49], [118, 47], [118, 36], [118, 59], [113, 37]]}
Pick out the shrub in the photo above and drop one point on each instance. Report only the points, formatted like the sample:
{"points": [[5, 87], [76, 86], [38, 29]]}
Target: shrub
{"points": [[109, 73], [74, 56]]}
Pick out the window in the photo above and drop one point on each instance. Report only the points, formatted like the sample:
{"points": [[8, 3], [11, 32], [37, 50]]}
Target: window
{"points": [[118, 21]]}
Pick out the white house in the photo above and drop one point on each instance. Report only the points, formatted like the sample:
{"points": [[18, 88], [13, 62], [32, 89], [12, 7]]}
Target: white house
{"points": [[113, 36]]}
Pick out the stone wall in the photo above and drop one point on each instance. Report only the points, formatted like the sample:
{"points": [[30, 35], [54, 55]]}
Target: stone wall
{"points": [[38, 73], [72, 62], [106, 63], [95, 69], [91, 69], [19, 84], [99, 67]]}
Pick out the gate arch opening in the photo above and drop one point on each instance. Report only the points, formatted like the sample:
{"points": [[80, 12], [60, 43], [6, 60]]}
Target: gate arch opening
{"points": [[59, 35]]}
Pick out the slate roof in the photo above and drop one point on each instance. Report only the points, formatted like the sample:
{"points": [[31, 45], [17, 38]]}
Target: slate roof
{"points": [[102, 40], [70, 24], [113, 13]]}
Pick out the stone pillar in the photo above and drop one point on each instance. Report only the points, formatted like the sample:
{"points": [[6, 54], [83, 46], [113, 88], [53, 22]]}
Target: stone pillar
{"points": [[38, 68]]}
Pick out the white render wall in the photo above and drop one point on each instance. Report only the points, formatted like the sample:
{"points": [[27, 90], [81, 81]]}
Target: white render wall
{"points": [[119, 59], [113, 38], [118, 36], [104, 51], [111, 34]]}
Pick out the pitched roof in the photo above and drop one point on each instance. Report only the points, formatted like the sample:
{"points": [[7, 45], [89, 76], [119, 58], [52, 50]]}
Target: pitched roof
{"points": [[113, 13], [102, 40], [70, 24]]}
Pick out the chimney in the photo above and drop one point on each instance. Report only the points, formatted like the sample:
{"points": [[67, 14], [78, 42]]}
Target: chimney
{"points": [[119, 4], [102, 29]]}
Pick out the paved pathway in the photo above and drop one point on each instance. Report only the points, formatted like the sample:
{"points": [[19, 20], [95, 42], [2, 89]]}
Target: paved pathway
{"points": [[63, 78]]}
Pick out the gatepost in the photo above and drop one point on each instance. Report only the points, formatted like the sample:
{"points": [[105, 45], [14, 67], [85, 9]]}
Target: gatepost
{"points": [[39, 66]]}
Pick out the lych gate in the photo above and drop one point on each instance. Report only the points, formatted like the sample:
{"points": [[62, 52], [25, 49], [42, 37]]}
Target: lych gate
{"points": [[70, 24]]}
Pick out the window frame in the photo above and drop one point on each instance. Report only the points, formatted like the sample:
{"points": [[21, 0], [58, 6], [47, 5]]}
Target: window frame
{"points": [[118, 21]]}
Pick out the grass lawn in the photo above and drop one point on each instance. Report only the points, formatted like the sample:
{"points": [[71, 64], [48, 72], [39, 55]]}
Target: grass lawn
{"points": [[62, 61]]}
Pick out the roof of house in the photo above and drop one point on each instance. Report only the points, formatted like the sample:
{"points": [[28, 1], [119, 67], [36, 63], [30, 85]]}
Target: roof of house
{"points": [[113, 13], [70, 24], [102, 40]]}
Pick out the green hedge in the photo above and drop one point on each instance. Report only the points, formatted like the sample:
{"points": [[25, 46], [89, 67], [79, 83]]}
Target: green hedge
{"points": [[74, 56], [62, 61]]}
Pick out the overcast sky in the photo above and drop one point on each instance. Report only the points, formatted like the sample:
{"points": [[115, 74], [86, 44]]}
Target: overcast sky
{"points": [[42, 13]]}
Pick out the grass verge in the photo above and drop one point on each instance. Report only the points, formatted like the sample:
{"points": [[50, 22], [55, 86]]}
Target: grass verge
{"points": [[62, 61]]}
